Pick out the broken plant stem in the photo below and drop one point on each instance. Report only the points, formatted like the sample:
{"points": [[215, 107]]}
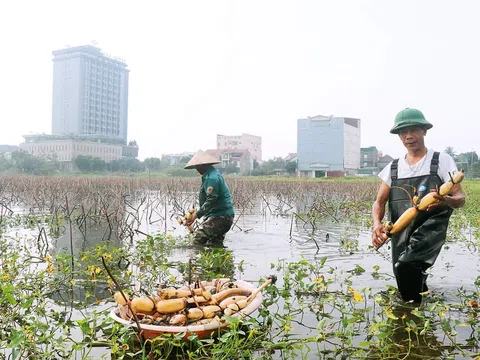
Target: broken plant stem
{"points": [[135, 318]]}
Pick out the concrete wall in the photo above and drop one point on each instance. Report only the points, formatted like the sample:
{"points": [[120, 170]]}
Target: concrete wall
{"points": [[320, 141]]}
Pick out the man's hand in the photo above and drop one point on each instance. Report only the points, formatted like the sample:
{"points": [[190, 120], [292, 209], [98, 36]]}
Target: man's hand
{"points": [[441, 201], [456, 199], [378, 212], [192, 219], [378, 235]]}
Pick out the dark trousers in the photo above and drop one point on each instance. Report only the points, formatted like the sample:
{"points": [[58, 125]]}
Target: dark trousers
{"points": [[411, 280], [213, 229]]}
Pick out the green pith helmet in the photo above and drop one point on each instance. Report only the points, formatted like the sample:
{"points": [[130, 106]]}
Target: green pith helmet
{"points": [[409, 117]]}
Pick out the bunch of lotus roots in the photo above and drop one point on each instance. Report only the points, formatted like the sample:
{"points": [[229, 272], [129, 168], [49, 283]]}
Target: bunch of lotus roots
{"points": [[199, 303]]}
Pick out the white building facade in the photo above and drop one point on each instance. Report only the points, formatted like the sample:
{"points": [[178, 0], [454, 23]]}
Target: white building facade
{"points": [[90, 93], [241, 159], [328, 146], [252, 143], [66, 149]]}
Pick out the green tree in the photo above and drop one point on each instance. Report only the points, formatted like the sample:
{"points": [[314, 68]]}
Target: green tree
{"points": [[115, 165], [291, 167], [277, 163], [5, 163], [153, 164], [134, 165], [230, 169], [127, 165], [475, 170], [184, 160], [450, 151], [25, 162], [84, 162], [98, 164], [268, 167]]}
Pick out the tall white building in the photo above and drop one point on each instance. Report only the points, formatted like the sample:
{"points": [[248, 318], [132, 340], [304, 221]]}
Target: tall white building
{"points": [[252, 143], [89, 109], [328, 146], [90, 93]]}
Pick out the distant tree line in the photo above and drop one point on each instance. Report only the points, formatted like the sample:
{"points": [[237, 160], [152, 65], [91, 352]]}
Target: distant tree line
{"points": [[274, 166], [467, 161], [24, 162]]}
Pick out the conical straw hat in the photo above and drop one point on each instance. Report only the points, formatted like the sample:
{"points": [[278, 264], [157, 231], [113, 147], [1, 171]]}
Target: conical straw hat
{"points": [[201, 158]]}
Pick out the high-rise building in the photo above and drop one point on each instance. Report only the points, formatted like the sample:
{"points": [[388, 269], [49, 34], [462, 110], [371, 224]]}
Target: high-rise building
{"points": [[90, 93], [252, 143], [328, 146]]}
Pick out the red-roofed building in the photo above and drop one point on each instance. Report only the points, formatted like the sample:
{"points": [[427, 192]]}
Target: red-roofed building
{"points": [[240, 158]]}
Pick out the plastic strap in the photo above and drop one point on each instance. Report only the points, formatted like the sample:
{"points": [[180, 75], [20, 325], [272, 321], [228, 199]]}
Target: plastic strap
{"points": [[434, 163], [394, 169]]}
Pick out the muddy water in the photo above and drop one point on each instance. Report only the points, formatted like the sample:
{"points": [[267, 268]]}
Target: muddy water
{"points": [[266, 240], [262, 240]]}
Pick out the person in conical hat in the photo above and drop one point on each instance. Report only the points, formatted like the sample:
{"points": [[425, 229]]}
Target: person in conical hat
{"points": [[415, 249], [214, 198], [201, 158]]}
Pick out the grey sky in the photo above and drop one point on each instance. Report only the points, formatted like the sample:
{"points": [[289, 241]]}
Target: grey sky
{"points": [[199, 68]]}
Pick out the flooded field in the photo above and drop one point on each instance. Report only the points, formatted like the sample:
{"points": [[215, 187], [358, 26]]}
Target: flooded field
{"points": [[335, 295]]}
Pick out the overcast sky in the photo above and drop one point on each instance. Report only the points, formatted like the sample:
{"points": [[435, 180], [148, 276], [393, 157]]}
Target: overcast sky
{"points": [[199, 68]]}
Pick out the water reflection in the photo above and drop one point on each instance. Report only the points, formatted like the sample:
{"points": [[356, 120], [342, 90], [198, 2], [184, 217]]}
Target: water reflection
{"points": [[82, 293], [206, 263], [80, 240], [405, 343], [261, 239]]}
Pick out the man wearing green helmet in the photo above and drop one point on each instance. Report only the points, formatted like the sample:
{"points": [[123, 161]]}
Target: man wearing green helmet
{"points": [[416, 248]]}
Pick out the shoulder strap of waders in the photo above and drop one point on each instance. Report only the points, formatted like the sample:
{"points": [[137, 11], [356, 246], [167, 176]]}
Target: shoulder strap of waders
{"points": [[434, 163], [394, 169]]}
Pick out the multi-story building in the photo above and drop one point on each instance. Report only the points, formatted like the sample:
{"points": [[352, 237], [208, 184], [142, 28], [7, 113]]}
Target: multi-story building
{"points": [[65, 148], [90, 93], [239, 158], [89, 109], [368, 157], [328, 146], [252, 143]]}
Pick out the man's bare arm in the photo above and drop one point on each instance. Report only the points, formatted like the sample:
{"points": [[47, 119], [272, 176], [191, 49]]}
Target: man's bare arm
{"points": [[378, 212]]}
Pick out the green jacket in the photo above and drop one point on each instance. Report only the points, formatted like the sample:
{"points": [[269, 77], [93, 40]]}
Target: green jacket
{"points": [[215, 198]]}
